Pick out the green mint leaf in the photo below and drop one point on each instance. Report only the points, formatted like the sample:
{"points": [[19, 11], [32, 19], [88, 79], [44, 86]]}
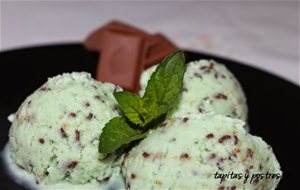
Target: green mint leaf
{"points": [[142, 114], [132, 106], [117, 133], [165, 84]]}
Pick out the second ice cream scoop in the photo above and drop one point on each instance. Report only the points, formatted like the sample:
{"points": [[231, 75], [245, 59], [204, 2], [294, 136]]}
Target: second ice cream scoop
{"points": [[207, 87], [193, 151]]}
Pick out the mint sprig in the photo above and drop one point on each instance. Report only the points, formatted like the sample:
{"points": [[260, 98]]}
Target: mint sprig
{"points": [[165, 84], [131, 106], [143, 113], [117, 132]]}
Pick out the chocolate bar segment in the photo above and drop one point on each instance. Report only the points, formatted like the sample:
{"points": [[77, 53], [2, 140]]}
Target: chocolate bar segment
{"points": [[159, 47], [121, 61], [125, 52], [94, 41]]}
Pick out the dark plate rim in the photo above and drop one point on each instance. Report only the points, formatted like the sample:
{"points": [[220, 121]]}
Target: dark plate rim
{"points": [[206, 54]]}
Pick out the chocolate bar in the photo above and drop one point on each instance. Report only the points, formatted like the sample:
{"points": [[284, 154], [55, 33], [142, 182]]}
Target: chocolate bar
{"points": [[94, 41], [121, 60], [125, 52], [159, 48]]}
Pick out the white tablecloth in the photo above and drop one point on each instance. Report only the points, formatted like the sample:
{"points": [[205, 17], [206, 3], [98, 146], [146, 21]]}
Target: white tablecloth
{"points": [[261, 34]]}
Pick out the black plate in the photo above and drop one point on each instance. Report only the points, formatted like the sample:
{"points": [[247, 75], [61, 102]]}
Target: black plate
{"points": [[274, 103]]}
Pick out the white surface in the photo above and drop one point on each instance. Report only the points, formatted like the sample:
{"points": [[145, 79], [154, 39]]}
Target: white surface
{"points": [[262, 34]]}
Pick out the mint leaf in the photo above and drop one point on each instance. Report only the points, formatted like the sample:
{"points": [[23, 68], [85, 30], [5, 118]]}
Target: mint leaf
{"points": [[142, 114], [131, 105], [135, 109], [117, 133], [165, 84]]}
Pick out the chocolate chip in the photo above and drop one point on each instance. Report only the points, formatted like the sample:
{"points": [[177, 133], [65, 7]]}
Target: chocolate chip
{"points": [[210, 135], [133, 176], [72, 115], [99, 98], [73, 164], [77, 135], [41, 140], [20, 166], [221, 96], [103, 180], [173, 139], [87, 104], [45, 89], [224, 138], [46, 173], [212, 156], [249, 153], [128, 185], [260, 167], [236, 139], [184, 156], [207, 69], [250, 167], [197, 75], [63, 133], [163, 124], [185, 119], [90, 116], [216, 75], [146, 155]]}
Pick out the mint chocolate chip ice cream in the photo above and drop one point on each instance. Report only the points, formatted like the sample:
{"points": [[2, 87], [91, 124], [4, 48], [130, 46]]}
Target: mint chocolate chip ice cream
{"points": [[207, 87], [186, 152], [55, 133]]}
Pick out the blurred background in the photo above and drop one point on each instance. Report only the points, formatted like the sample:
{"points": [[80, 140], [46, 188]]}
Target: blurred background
{"points": [[264, 34]]}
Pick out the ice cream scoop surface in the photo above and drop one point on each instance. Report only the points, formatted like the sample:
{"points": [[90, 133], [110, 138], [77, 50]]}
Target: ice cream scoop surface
{"points": [[55, 133], [208, 87], [186, 152]]}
